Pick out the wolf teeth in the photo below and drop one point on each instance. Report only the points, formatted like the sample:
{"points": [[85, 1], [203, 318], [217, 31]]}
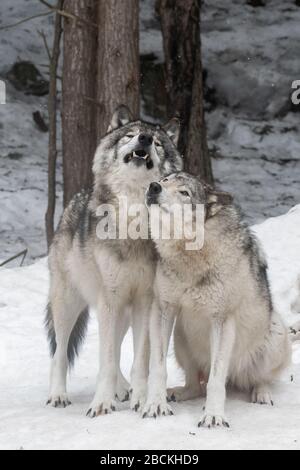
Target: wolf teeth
{"points": [[134, 155]]}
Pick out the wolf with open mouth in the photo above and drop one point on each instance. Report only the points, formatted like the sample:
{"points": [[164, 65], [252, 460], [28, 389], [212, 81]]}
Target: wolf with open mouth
{"points": [[114, 277]]}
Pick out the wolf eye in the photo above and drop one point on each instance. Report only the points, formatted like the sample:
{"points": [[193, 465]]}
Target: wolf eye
{"points": [[130, 136], [184, 193], [158, 144]]}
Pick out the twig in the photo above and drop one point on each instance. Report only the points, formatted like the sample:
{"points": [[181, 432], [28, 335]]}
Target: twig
{"points": [[52, 109], [66, 14], [43, 36], [22, 253], [47, 66], [24, 20]]}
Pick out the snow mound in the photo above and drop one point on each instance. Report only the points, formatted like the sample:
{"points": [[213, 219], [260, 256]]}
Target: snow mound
{"points": [[25, 421], [280, 237]]}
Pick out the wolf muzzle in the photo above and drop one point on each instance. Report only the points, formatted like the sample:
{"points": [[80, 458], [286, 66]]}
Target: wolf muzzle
{"points": [[153, 193], [141, 155]]}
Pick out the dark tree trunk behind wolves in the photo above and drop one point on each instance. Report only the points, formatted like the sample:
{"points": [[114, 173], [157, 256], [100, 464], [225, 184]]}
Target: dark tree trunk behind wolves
{"points": [[79, 95], [100, 72], [180, 21], [118, 59]]}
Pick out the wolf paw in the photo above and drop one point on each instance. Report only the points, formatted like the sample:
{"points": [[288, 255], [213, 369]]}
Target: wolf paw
{"points": [[262, 396], [157, 408], [59, 400], [138, 398], [122, 393], [210, 421], [183, 393], [102, 408]]}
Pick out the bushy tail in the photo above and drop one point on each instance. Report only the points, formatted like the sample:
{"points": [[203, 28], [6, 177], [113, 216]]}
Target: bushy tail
{"points": [[76, 337]]}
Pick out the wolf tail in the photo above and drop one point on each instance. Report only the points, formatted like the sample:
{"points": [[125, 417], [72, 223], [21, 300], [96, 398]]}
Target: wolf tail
{"points": [[76, 337]]}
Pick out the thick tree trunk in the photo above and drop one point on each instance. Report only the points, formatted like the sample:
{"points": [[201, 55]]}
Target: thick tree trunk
{"points": [[79, 96], [180, 20], [118, 59]]}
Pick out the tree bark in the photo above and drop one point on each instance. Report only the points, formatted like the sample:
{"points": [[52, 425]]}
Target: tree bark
{"points": [[180, 21], [79, 137], [118, 59], [52, 110]]}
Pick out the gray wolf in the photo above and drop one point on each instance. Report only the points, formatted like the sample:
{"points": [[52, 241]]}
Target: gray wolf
{"points": [[227, 331], [113, 277]]}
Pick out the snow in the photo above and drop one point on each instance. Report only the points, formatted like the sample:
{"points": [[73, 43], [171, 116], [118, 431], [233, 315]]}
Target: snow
{"points": [[251, 56], [23, 152], [281, 239], [25, 421]]}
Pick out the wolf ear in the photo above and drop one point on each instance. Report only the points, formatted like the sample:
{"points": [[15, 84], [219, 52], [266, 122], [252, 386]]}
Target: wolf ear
{"points": [[121, 116], [215, 201], [172, 128]]}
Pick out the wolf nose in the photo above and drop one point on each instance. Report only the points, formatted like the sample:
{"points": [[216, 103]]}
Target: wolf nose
{"points": [[145, 139], [155, 188]]}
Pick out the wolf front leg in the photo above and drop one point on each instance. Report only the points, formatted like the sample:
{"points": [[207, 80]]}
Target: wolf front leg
{"points": [[140, 369], [161, 323], [122, 392], [222, 342], [104, 400]]}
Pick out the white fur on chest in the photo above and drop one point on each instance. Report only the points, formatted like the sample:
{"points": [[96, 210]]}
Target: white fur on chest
{"points": [[125, 279]]}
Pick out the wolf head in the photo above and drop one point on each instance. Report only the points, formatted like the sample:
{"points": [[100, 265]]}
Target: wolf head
{"points": [[181, 188], [135, 152]]}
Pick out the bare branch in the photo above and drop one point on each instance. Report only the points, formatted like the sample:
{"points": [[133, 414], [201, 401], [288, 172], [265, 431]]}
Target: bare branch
{"points": [[52, 109], [47, 13], [22, 253], [43, 36], [24, 20], [66, 14]]}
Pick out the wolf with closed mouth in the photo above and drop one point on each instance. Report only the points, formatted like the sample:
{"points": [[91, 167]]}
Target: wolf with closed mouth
{"points": [[227, 330], [114, 277]]}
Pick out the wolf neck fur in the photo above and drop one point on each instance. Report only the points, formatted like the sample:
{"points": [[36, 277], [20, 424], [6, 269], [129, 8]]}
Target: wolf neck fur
{"points": [[176, 256]]}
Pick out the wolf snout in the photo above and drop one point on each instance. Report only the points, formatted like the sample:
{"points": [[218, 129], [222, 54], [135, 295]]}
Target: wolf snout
{"points": [[145, 140], [155, 188]]}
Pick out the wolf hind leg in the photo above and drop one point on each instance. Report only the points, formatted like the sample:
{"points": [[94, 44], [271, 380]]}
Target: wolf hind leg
{"points": [[277, 358], [66, 322], [261, 394]]}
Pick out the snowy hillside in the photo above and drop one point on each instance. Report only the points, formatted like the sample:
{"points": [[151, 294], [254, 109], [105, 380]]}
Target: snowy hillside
{"points": [[26, 423], [250, 57]]}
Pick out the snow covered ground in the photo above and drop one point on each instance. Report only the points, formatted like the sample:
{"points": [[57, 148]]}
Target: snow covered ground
{"points": [[251, 56], [26, 423]]}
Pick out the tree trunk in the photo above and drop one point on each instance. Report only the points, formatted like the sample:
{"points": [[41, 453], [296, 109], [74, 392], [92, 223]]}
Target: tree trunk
{"points": [[79, 96], [180, 20], [118, 59]]}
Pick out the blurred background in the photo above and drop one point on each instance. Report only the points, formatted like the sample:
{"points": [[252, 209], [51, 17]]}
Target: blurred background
{"points": [[225, 67]]}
